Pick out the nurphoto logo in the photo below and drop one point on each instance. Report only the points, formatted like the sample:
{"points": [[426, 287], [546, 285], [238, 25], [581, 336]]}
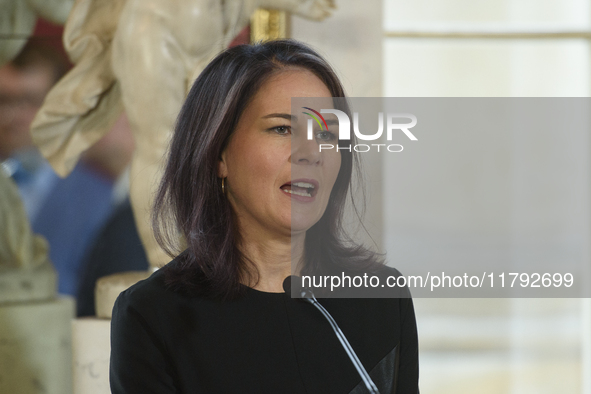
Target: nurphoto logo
{"points": [[344, 123]]}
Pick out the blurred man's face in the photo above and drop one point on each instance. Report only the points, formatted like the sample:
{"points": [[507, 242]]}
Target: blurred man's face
{"points": [[21, 95]]}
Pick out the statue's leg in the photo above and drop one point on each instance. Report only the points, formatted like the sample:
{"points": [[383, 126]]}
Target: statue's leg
{"points": [[149, 66]]}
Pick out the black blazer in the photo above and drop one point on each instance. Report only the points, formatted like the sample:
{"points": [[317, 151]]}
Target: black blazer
{"points": [[164, 342]]}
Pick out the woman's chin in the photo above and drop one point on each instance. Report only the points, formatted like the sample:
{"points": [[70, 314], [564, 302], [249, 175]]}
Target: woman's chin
{"points": [[301, 225]]}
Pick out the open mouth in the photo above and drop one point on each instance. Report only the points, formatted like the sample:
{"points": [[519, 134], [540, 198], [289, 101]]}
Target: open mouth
{"points": [[301, 188]]}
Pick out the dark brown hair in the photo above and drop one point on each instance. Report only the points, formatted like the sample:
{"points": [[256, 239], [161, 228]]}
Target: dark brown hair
{"points": [[190, 199]]}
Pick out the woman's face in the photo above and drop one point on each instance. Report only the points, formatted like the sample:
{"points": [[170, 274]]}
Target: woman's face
{"points": [[270, 166]]}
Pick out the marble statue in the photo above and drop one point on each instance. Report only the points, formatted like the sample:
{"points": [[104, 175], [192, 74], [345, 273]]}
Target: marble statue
{"points": [[140, 56], [17, 21], [19, 247], [35, 324], [26, 274]]}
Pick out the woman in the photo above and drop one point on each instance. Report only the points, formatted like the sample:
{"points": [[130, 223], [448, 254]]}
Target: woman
{"points": [[249, 195]]}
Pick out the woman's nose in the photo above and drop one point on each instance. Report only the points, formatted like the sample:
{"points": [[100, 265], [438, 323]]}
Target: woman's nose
{"points": [[305, 151]]}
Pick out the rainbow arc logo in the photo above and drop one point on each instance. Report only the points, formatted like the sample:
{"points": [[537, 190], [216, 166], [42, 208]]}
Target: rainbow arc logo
{"points": [[316, 118]]}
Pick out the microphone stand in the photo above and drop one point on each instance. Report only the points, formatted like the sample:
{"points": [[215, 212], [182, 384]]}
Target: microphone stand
{"points": [[308, 296]]}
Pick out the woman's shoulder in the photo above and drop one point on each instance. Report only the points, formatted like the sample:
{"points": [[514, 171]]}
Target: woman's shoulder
{"points": [[149, 293]]}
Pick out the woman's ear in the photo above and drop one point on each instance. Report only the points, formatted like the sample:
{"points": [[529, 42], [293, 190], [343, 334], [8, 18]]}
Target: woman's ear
{"points": [[222, 167]]}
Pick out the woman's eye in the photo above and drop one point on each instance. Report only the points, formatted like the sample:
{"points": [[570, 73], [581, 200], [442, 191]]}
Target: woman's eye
{"points": [[282, 130], [325, 136]]}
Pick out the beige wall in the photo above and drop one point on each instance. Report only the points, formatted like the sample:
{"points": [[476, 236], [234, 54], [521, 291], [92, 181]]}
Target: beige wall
{"points": [[495, 346]]}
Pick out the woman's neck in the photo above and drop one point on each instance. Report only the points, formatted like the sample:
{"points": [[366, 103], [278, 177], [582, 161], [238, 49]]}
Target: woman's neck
{"points": [[273, 260]]}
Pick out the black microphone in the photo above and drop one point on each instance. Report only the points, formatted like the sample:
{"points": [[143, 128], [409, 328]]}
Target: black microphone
{"points": [[307, 295], [287, 283], [295, 282]]}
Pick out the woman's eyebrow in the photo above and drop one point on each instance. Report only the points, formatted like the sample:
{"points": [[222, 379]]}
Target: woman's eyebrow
{"points": [[291, 117]]}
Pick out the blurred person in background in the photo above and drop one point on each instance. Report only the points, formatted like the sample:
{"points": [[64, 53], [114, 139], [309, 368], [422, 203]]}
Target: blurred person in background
{"points": [[24, 82], [68, 212]]}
